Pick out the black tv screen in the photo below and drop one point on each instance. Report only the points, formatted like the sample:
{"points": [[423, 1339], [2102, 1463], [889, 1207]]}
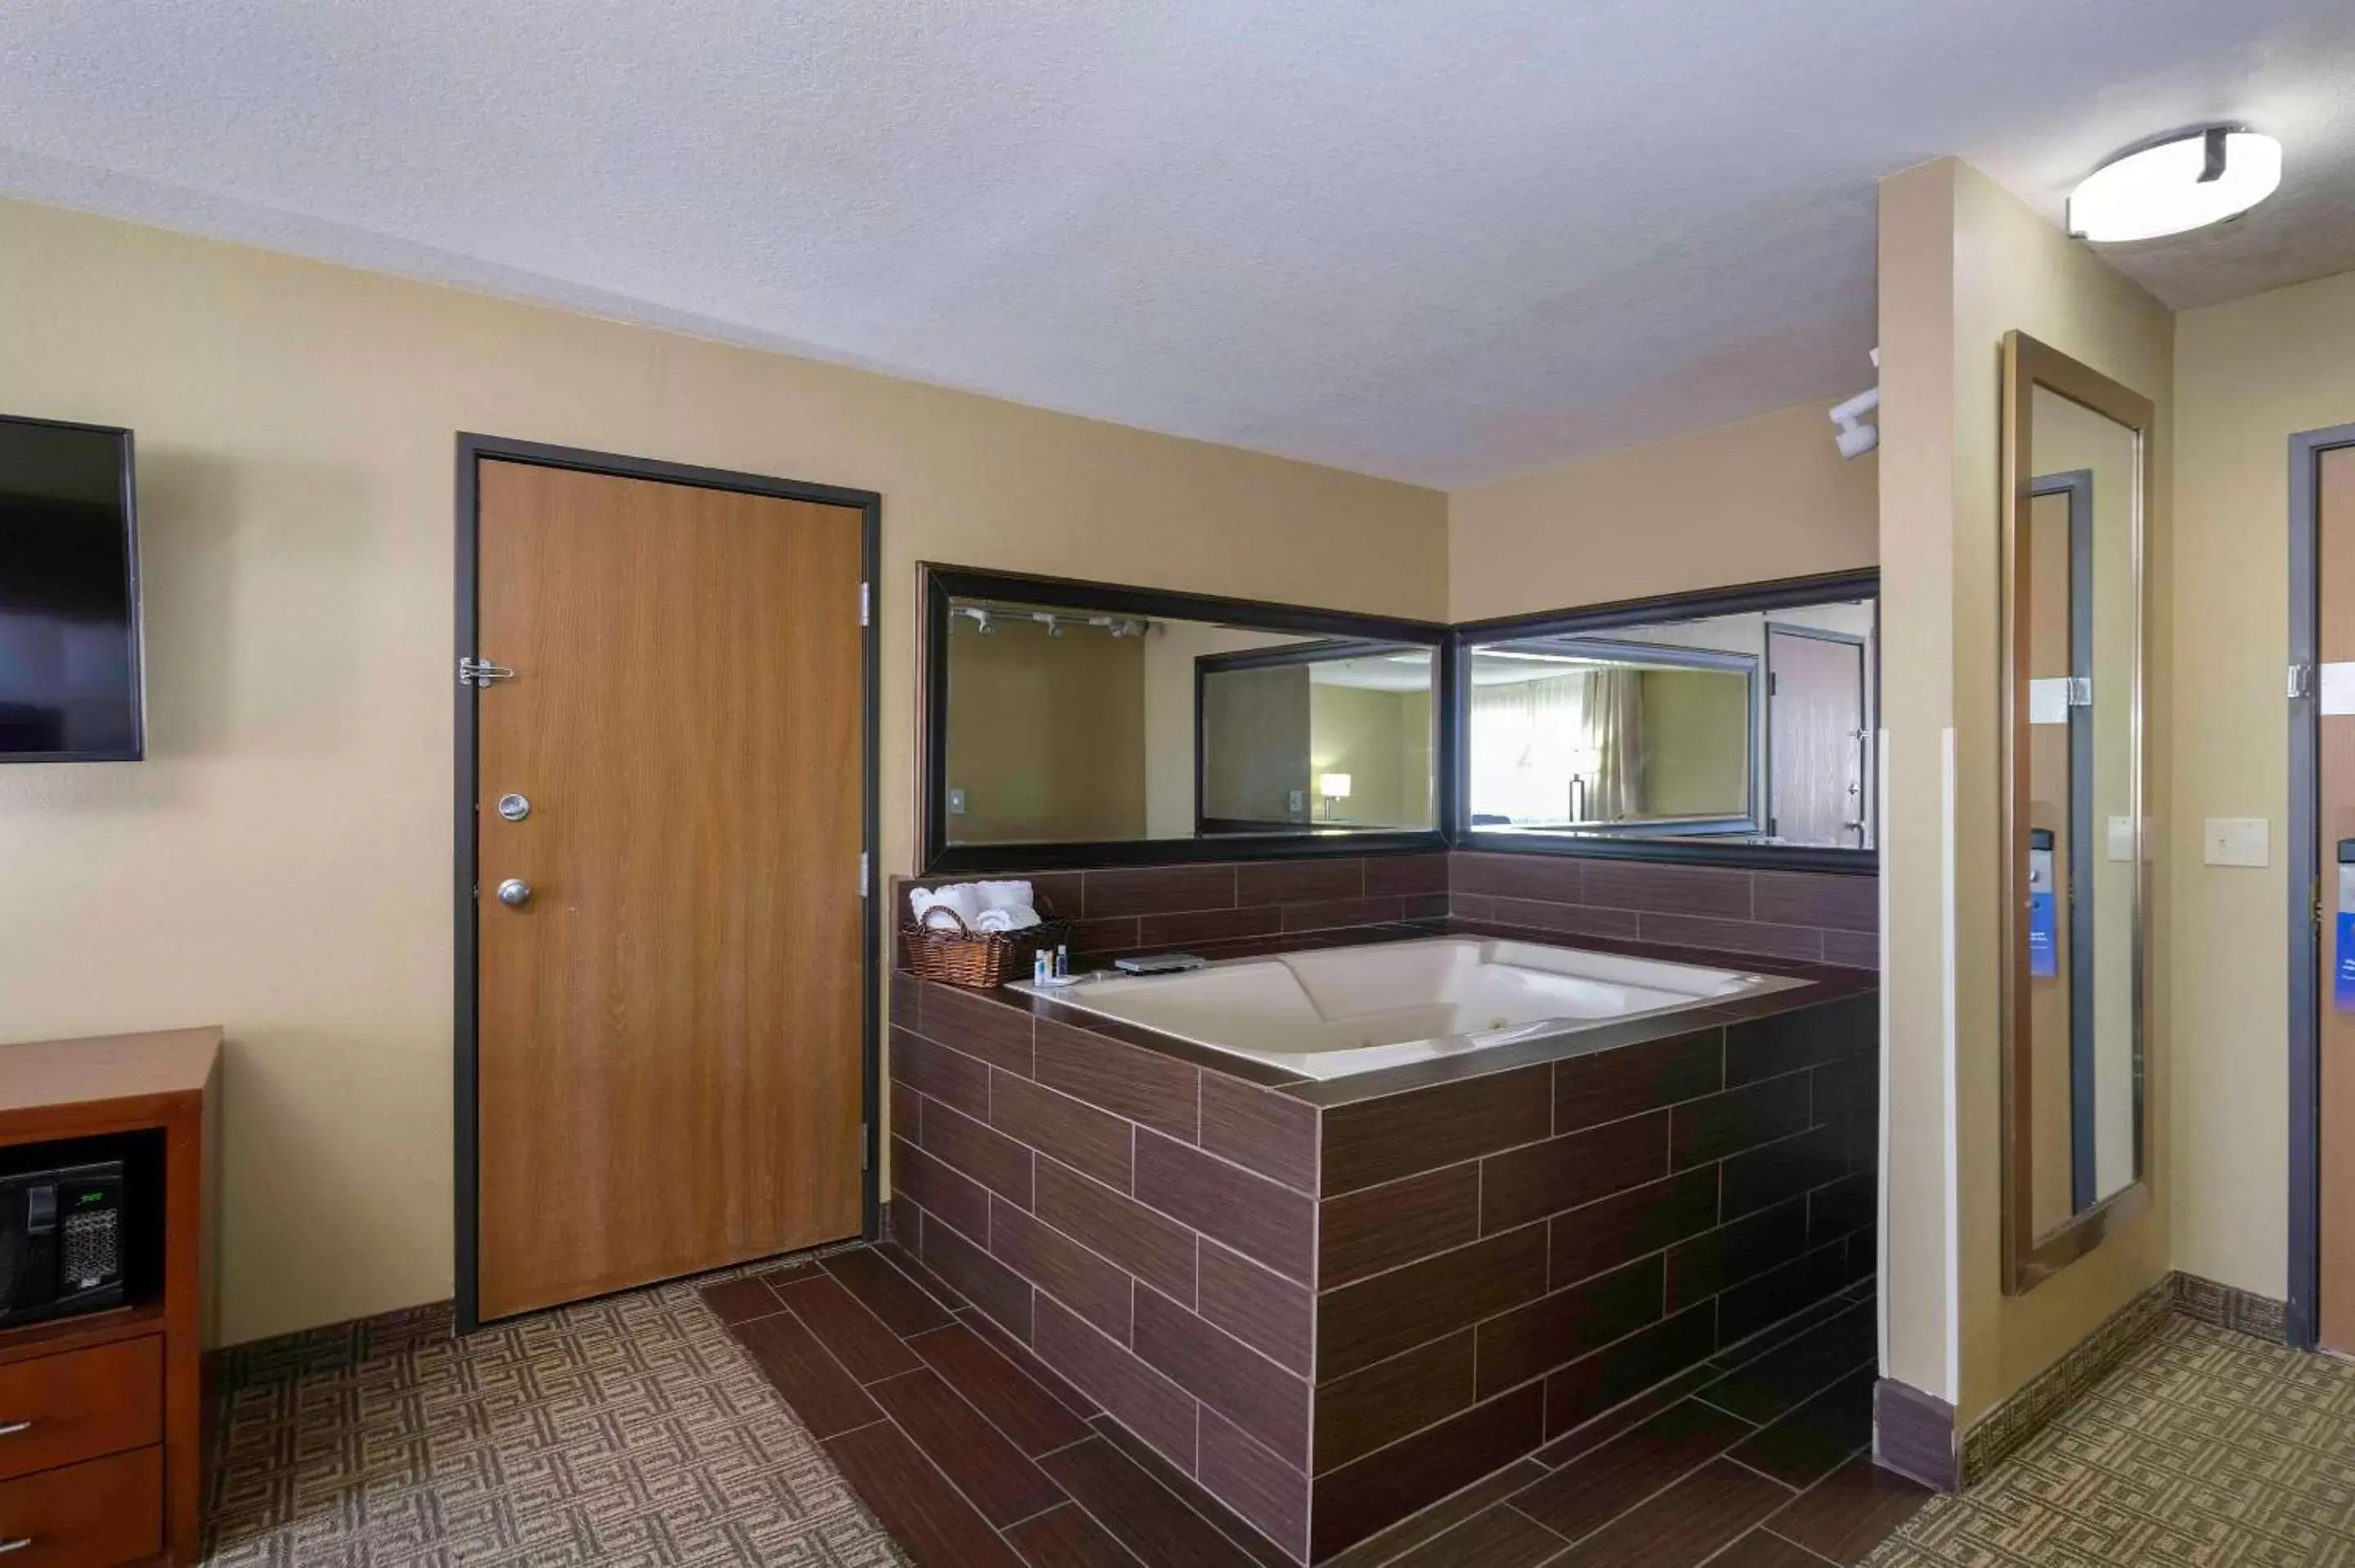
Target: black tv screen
{"points": [[68, 595]]}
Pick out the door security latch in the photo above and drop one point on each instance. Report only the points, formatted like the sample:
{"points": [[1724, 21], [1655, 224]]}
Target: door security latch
{"points": [[482, 672]]}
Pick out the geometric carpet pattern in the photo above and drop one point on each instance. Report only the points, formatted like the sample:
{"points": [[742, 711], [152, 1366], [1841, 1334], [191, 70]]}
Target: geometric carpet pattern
{"points": [[2202, 1447], [625, 1431]]}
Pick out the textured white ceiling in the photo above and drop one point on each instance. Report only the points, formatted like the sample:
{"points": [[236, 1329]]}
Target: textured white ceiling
{"points": [[1439, 239]]}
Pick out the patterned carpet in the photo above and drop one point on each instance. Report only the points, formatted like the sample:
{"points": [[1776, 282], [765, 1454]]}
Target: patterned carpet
{"points": [[628, 1431], [2202, 1447]]}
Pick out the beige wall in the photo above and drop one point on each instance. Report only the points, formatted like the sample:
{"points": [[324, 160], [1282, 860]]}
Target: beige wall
{"points": [[1697, 743], [2248, 375], [1046, 734], [1370, 735], [280, 865], [1769, 497], [1961, 263], [1170, 649]]}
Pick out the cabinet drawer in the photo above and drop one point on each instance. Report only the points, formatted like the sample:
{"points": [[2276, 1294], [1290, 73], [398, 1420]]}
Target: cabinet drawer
{"points": [[97, 1514], [56, 1410]]}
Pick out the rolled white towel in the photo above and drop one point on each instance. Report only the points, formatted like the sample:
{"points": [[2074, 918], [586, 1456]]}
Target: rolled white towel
{"points": [[1003, 894], [1002, 920], [958, 898]]}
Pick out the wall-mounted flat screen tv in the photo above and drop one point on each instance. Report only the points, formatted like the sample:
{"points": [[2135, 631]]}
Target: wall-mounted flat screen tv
{"points": [[70, 686]]}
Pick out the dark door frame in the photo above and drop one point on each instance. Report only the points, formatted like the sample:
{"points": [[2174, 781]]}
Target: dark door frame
{"points": [[1768, 817], [2305, 1239], [472, 450]]}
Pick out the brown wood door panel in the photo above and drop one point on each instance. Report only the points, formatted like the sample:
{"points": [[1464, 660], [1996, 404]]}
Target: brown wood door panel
{"points": [[2335, 761], [669, 1032]]}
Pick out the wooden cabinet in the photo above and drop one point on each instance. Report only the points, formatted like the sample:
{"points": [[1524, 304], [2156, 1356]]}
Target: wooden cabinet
{"points": [[101, 1415]]}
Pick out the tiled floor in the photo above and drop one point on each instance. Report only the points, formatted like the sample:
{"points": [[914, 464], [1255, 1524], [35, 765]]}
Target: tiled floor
{"points": [[630, 1431], [970, 1453]]}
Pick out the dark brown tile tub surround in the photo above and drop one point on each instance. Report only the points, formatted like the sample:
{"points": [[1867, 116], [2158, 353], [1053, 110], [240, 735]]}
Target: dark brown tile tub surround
{"points": [[1824, 918], [1324, 1311]]}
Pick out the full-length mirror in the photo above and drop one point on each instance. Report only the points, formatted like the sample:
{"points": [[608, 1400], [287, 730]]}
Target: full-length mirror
{"points": [[1751, 726], [1082, 721], [2075, 465]]}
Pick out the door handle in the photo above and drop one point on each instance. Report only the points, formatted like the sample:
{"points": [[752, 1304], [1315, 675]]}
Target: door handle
{"points": [[515, 892]]}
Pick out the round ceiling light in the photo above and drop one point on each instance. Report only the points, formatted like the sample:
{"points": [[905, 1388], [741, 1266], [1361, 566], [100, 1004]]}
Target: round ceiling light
{"points": [[2183, 183]]}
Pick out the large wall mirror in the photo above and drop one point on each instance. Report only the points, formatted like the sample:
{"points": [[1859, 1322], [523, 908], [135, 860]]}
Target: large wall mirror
{"points": [[1731, 725], [1071, 723], [2077, 464]]}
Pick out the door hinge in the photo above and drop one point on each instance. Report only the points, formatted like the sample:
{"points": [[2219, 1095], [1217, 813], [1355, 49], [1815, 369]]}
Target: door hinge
{"points": [[1774, 684], [482, 672], [866, 1145], [862, 874], [863, 608], [2080, 691], [2301, 680]]}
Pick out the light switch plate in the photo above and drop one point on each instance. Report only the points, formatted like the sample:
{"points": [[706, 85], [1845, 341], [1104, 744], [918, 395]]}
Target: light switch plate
{"points": [[1298, 800], [2236, 841], [956, 802], [2122, 838]]}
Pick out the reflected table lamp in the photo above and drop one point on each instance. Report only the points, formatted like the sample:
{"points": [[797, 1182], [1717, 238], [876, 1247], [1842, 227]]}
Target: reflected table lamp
{"points": [[1334, 786]]}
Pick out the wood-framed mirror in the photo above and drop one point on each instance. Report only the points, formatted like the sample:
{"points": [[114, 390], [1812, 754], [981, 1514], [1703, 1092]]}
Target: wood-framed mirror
{"points": [[2075, 840]]}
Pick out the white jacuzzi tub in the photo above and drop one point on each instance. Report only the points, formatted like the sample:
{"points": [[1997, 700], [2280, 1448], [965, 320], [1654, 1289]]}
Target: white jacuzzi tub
{"points": [[1332, 1011]]}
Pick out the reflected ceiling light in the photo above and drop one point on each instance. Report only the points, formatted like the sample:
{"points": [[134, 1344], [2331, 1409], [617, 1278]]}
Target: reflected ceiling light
{"points": [[2183, 183]]}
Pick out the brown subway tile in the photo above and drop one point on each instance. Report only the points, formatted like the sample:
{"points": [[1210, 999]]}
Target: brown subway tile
{"points": [[992, 1159], [1152, 1246], [901, 1252], [1057, 894], [1685, 1525], [1023, 1359], [1853, 950], [962, 1020], [943, 1193], [1598, 1236], [1736, 937], [1160, 889], [860, 1340], [1360, 1324], [1081, 1280], [1595, 1398], [1731, 1254], [1744, 1310], [906, 1002], [1385, 1401], [1846, 1086], [913, 1502], [1330, 913], [1400, 1135], [1198, 926], [1533, 1340], [1739, 1118], [1192, 1493], [1270, 1133], [825, 1396], [1621, 1080], [1134, 1506], [1406, 874], [1022, 1408], [1259, 1218], [1053, 1124], [1301, 881], [1525, 1184], [1697, 890], [938, 1073], [734, 1301], [1842, 1518], [1817, 898], [1470, 907], [999, 1293], [1068, 1537], [1424, 907], [907, 1111], [1266, 1311], [978, 1459], [1116, 934], [1763, 1177], [1565, 919], [1408, 1535], [1128, 1080], [1766, 1386], [1500, 1537], [1590, 1492], [1132, 1393], [1224, 1373], [1846, 1205], [1383, 1487], [1375, 1228], [1548, 878], [1266, 1492], [1802, 1037]]}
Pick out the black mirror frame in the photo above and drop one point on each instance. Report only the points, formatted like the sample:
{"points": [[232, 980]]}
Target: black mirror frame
{"points": [[1787, 593], [937, 856]]}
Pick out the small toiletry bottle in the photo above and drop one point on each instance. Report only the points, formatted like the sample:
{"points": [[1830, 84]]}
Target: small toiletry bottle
{"points": [[1062, 961], [1039, 967]]}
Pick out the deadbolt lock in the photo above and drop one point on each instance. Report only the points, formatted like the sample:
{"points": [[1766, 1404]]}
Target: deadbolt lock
{"points": [[514, 808]]}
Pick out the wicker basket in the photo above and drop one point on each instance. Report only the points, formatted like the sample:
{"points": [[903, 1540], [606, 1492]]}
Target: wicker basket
{"points": [[956, 955]]}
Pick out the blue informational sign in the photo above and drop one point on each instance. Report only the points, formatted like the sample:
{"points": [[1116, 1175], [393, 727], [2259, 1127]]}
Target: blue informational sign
{"points": [[2044, 951], [2342, 967]]}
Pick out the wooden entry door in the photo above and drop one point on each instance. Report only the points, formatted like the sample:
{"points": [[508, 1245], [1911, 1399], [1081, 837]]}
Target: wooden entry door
{"points": [[2334, 519], [1815, 738], [669, 1061]]}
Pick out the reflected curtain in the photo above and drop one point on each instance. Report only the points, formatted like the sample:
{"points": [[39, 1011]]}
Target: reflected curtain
{"points": [[1614, 736]]}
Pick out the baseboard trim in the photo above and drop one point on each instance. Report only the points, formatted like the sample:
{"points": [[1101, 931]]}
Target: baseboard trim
{"points": [[1914, 1435], [2229, 1306]]}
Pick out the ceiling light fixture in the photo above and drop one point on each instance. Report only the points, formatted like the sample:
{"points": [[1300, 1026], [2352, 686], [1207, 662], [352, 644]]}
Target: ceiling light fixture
{"points": [[2180, 182]]}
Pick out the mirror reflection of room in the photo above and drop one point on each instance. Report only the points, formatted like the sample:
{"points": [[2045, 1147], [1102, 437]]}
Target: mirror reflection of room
{"points": [[1070, 724], [1753, 727]]}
